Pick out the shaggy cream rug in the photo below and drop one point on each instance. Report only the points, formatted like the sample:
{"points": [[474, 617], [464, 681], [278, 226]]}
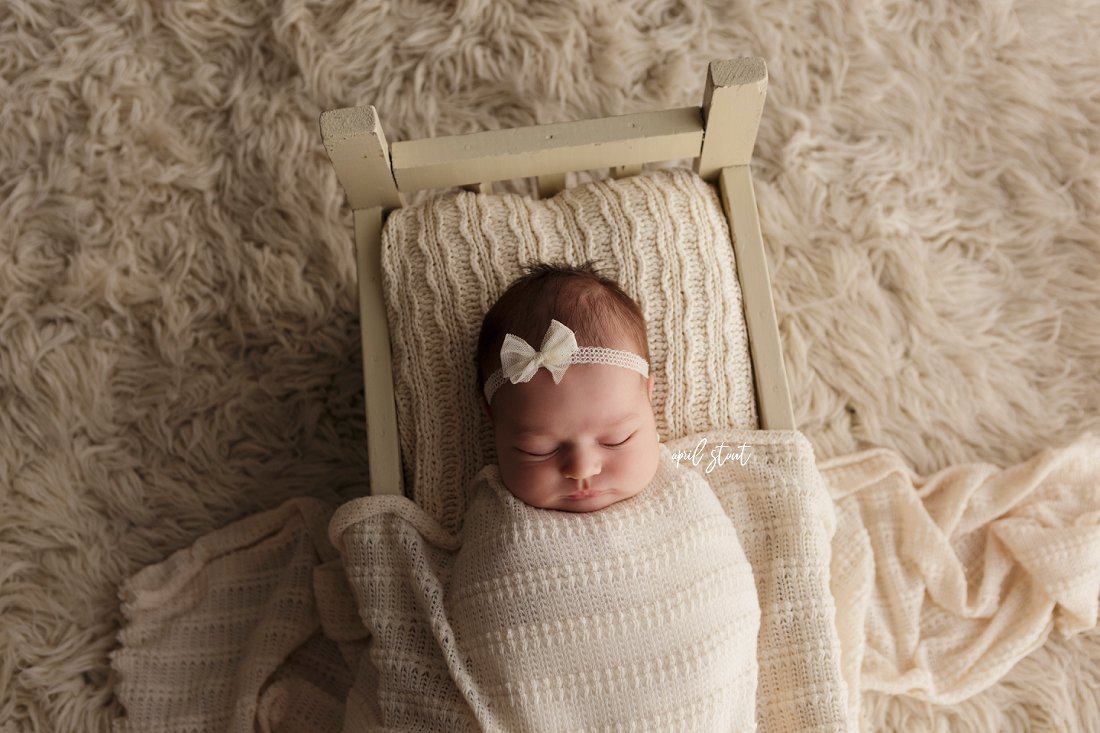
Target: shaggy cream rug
{"points": [[178, 329]]}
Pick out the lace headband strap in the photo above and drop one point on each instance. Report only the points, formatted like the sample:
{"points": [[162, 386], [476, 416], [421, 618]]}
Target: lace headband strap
{"points": [[519, 361]]}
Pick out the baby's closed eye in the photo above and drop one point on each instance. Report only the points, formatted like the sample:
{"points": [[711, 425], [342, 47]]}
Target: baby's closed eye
{"points": [[537, 454], [614, 444], [547, 451]]}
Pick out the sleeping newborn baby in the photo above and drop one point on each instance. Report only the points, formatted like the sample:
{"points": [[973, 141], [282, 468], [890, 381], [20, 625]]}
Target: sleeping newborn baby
{"points": [[597, 584], [578, 435]]}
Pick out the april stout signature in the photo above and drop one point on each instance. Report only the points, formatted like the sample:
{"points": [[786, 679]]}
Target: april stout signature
{"points": [[719, 454]]}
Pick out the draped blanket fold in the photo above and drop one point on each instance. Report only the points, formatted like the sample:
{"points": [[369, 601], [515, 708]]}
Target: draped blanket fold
{"points": [[944, 582], [940, 584]]}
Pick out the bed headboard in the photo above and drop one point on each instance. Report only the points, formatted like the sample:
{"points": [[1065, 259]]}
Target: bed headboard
{"points": [[719, 136]]}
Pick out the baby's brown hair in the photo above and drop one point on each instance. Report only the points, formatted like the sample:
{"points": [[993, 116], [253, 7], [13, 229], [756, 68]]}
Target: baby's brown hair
{"points": [[592, 304]]}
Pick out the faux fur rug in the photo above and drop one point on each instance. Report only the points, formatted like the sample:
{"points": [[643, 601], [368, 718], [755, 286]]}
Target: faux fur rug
{"points": [[178, 328]]}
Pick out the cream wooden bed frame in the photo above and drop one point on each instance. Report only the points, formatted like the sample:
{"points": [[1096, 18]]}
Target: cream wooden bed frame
{"points": [[719, 136]]}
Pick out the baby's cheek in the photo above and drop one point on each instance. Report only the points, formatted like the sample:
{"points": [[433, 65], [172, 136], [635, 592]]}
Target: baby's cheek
{"points": [[521, 481], [511, 477], [647, 462], [654, 462]]}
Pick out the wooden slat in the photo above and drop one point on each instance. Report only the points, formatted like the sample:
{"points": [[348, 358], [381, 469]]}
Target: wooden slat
{"points": [[770, 374], [383, 448], [482, 187], [544, 150], [550, 184], [626, 171]]}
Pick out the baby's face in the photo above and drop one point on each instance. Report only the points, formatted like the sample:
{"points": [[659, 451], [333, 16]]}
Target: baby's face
{"points": [[580, 445]]}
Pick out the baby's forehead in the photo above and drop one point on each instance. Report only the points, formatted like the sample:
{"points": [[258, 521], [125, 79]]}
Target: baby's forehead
{"points": [[536, 423]]}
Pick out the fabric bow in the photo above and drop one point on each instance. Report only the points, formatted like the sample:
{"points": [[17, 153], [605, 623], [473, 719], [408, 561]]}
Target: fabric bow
{"points": [[519, 362]]}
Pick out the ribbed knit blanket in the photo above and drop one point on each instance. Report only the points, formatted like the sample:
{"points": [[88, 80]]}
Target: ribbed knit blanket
{"points": [[663, 237], [941, 584]]}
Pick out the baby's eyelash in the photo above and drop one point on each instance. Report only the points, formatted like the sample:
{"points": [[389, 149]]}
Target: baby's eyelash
{"points": [[550, 453], [614, 445], [536, 455]]}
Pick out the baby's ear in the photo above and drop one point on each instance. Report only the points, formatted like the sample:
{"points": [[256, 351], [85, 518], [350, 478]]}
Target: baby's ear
{"points": [[488, 410], [649, 388]]}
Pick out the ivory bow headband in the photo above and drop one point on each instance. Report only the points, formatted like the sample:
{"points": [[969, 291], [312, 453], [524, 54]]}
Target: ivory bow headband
{"points": [[519, 362]]}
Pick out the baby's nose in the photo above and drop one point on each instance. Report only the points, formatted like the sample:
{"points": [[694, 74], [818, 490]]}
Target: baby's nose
{"points": [[581, 463]]}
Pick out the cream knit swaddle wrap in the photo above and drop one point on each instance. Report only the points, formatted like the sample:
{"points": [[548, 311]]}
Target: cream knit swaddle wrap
{"points": [[642, 616], [264, 625]]}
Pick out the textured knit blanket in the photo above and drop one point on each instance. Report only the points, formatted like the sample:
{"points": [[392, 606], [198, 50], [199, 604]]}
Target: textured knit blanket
{"points": [[642, 616], [941, 584]]}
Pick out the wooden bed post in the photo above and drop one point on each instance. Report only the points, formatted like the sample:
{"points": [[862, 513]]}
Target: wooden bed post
{"points": [[733, 103], [357, 147]]}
